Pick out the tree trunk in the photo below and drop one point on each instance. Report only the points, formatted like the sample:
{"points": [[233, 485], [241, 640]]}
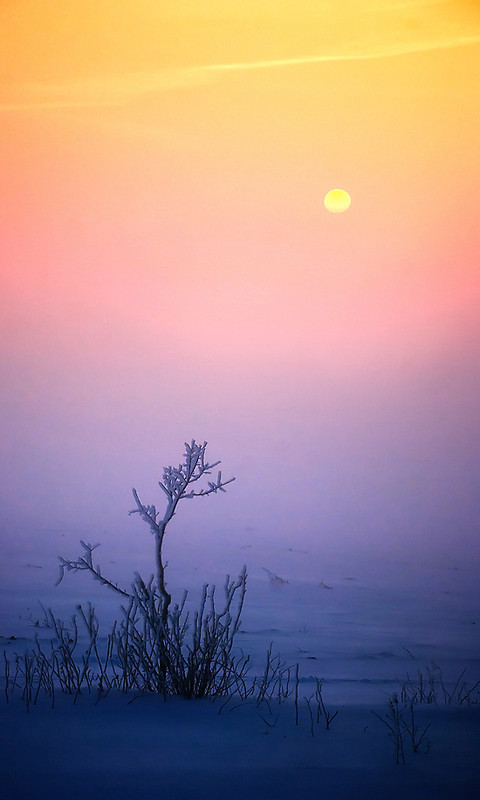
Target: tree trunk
{"points": [[166, 598]]}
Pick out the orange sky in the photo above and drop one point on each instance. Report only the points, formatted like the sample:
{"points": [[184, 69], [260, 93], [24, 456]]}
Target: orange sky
{"points": [[163, 169], [138, 159]]}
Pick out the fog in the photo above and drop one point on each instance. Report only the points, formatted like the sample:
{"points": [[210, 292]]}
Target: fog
{"points": [[381, 460]]}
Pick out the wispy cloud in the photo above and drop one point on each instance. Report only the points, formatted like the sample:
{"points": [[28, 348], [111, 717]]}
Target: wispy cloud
{"points": [[105, 91], [120, 89], [354, 53], [53, 104]]}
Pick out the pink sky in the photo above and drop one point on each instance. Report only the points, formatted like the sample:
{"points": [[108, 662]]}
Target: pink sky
{"points": [[169, 269]]}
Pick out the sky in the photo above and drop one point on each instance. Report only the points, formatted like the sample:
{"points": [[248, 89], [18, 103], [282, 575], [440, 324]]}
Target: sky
{"points": [[169, 270]]}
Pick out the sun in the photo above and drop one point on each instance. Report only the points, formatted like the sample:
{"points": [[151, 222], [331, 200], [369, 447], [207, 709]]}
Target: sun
{"points": [[337, 201]]}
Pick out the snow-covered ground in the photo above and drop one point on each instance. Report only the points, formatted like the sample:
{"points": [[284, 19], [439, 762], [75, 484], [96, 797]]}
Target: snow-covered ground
{"points": [[361, 623]]}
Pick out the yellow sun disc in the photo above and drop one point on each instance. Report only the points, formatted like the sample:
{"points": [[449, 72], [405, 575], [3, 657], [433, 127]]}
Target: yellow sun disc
{"points": [[337, 201]]}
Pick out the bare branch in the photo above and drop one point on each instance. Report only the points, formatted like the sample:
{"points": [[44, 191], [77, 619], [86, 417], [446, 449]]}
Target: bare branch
{"points": [[85, 562], [148, 513], [176, 485]]}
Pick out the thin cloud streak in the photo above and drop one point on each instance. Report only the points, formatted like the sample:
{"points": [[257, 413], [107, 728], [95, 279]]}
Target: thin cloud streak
{"points": [[53, 104], [114, 90], [120, 89], [389, 51]]}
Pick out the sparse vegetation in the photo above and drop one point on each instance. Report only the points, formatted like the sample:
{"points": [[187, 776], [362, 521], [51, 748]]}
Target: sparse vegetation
{"points": [[158, 646], [317, 709], [430, 686], [160, 649], [401, 723], [155, 646]]}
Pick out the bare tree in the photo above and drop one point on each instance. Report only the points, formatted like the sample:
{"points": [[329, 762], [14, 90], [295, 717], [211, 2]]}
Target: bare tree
{"points": [[179, 483], [151, 640], [156, 646]]}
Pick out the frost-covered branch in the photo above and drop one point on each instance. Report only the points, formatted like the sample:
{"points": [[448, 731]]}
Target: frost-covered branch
{"points": [[85, 562], [177, 485]]}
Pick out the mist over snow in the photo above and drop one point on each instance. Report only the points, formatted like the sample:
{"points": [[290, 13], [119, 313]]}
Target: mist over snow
{"points": [[380, 460]]}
